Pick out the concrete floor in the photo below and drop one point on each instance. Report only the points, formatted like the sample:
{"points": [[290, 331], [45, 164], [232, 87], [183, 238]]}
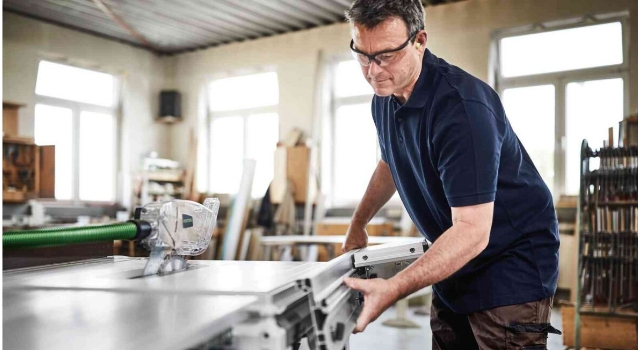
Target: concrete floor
{"points": [[378, 336]]}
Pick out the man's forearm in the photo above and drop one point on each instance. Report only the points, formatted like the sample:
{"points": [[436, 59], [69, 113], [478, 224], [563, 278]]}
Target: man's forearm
{"points": [[379, 191], [451, 251]]}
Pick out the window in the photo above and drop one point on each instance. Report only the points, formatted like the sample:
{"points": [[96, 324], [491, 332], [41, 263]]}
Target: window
{"points": [[531, 113], [354, 152], [355, 156], [560, 86], [562, 50], [244, 123], [75, 111]]}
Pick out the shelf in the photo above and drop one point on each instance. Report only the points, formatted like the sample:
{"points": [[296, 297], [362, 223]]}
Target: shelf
{"points": [[178, 193], [165, 177], [163, 180], [604, 311], [18, 140], [606, 258], [616, 203]]}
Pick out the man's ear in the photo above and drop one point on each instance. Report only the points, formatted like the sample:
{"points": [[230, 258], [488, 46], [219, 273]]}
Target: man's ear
{"points": [[420, 40]]}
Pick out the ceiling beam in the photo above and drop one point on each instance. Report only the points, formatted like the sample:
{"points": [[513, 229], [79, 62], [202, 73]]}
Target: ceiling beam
{"points": [[107, 11]]}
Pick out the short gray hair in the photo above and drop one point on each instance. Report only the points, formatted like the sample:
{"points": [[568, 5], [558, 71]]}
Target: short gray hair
{"points": [[369, 13]]}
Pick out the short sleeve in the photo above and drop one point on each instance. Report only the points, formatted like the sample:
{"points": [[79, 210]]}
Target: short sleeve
{"points": [[377, 126], [467, 141]]}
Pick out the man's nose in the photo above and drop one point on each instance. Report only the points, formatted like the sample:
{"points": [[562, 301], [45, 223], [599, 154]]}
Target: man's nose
{"points": [[374, 69]]}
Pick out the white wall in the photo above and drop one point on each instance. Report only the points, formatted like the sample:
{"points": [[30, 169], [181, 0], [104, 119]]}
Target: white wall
{"points": [[26, 42], [460, 33]]}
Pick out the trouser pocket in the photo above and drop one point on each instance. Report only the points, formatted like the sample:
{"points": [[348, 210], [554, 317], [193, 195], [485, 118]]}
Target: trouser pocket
{"points": [[528, 336]]}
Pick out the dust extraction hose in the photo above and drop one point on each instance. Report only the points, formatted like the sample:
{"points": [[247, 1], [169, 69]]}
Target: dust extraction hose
{"points": [[48, 237]]}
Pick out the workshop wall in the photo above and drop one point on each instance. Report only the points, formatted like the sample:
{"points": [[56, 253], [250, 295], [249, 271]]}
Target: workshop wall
{"points": [[460, 33], [27, 41]]}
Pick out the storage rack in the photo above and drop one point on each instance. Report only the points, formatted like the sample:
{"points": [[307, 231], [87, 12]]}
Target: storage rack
{"points": [[608, 250]]}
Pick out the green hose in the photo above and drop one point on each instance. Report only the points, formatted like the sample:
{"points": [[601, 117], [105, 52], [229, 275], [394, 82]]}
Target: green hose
{"points": [[47, 237]]}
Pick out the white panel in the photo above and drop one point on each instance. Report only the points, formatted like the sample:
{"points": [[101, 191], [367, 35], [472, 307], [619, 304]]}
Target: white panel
{"points": [[249, 91], [350, 80], [592, 107], [75, 84], [97, 156], [531, 112], [562, 50]]}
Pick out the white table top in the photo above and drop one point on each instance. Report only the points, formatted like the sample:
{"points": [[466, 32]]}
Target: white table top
{"points": [[119, 274], [35, 319], [308, 240]]}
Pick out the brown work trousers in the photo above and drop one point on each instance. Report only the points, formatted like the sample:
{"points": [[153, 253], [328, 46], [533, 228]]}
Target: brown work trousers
{"points": [[522, 326]]}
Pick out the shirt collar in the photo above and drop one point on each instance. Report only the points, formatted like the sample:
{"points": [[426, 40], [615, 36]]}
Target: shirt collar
{"points": [[421, 88]]}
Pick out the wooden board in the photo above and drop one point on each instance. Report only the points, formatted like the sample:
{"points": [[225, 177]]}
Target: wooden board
{"points": [[600, 332], [629, 131], [9, 122], [292, 163], [10, 117], [332, 227], [240, 206], [47, 172]]}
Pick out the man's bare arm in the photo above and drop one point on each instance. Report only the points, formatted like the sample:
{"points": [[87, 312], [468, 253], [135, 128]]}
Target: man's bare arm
{"points": [[379, 191], [467, 238]]}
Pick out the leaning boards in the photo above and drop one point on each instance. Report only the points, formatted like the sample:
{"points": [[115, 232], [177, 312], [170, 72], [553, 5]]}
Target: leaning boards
{"points": [[238, 210]]}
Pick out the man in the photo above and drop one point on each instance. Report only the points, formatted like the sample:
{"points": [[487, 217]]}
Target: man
{"points": [[466, 181]]}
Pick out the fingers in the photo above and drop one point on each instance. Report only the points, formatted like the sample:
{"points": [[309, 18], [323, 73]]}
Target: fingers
{"points": [[364, 319], [355, 283], [345, 247], [366, 313]]}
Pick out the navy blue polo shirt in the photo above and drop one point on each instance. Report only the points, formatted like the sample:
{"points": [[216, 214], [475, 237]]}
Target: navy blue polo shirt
{"points": [[451, 145]]}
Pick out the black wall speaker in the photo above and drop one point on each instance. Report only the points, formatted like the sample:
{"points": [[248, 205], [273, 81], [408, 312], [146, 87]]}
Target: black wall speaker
{"points": [[170, 106]]}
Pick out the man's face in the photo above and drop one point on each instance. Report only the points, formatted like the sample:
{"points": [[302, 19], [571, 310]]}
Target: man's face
{"points": [[388, 35]]}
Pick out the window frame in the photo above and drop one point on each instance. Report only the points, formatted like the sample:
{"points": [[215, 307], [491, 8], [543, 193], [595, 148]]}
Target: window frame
{"points": [[76, 109], [243, 113], [560, 79]]}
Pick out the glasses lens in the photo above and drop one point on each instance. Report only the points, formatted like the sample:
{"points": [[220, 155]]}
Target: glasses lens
{"points": [[362, 59]]}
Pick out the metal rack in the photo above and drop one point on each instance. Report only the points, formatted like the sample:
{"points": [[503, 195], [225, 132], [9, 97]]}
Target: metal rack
{"points": [[608, 246]]}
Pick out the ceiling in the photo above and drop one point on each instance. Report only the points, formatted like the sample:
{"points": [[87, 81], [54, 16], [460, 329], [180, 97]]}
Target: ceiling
{"points": [[176, 26]]}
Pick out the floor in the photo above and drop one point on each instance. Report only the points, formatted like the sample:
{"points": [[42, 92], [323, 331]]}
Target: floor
{"points": [[378, 336]]}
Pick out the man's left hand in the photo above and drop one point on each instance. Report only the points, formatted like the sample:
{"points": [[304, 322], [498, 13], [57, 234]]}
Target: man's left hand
{"points": [[378, 294]]}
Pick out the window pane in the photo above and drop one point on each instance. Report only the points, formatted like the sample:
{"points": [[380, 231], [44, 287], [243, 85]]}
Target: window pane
{"points": [[53, 126], [355, 154], [75, 84], [531, 112], [97, 157], [562, 50], [227, 154], [349, 80], [247, 91], [262, 132], [592, 107]]}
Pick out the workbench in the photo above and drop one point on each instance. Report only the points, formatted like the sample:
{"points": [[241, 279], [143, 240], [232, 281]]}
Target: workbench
{"points": [[107, 304]]}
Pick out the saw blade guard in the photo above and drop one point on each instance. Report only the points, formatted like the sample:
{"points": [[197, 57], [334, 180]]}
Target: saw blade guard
{"points": [[180, 226]]}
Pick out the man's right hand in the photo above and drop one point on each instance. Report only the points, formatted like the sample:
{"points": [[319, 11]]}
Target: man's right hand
{"points": [[356, 238]]}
